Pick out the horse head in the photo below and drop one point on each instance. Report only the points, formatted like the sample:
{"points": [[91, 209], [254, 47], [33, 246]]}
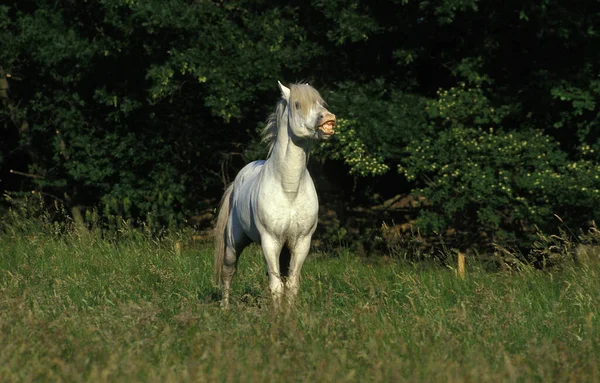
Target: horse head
{"points": [[308, 116]]}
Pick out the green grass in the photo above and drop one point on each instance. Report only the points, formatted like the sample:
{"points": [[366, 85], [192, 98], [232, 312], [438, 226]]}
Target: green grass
{"points": [[134, 309]]}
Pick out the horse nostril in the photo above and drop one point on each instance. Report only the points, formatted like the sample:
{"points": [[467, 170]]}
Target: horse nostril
{"points": [[327, 116]]}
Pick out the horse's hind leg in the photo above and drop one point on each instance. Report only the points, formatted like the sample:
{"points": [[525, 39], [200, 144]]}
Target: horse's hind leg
{"points": [[229, 269], [235, 244]]}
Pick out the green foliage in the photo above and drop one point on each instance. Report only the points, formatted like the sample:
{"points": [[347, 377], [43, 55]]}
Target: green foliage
{"points": [[581, 113], [130, 103], [353, 151], [142, 108], [463, 106], [351, 20], [384, 118], [481, 178], [375, 126]]}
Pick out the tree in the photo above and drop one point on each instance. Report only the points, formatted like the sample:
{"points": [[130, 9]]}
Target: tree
{"points": [[148, 108], [135, 103]]}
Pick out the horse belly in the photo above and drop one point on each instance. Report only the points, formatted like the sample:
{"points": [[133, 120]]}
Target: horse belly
{"points": [[244, 205], [244, 218]]}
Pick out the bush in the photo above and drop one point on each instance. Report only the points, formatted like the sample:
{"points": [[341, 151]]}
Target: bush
{"points": [[349, 148], [477, 176]]}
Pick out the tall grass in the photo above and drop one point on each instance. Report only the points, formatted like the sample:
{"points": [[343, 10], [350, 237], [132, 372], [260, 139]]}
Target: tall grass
{"points": [[87, 307]]}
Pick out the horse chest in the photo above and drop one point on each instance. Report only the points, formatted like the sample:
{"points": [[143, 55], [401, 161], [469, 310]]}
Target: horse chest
{"points": [[285, 216]]}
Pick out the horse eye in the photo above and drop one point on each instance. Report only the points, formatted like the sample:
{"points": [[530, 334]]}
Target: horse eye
{"points": [[297, 105]]}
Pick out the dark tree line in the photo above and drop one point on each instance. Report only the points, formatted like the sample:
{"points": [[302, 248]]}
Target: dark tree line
{"points": [[485, 112]]}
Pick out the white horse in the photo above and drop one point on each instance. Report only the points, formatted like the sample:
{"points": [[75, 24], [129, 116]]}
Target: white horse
{"points": [[274, 202]]}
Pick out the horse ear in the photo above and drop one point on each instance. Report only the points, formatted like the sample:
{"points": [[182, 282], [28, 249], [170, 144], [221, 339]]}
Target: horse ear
{"points": [[285, 91]]}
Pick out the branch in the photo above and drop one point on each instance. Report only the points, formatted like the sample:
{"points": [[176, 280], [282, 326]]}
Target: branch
{"points": [[36, 176]]}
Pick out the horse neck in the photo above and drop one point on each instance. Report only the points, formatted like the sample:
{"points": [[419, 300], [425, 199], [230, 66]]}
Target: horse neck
{"points": [[288, 159]]}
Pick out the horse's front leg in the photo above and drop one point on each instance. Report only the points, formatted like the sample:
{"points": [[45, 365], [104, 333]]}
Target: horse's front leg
{"points": [[298, 256], [271, 248]]}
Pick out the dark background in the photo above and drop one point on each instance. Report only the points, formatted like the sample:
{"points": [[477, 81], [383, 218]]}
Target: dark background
{"points": [[144, 110]]}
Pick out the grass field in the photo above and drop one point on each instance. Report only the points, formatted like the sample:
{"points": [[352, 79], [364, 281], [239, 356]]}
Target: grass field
{"points": [[136, 309]]}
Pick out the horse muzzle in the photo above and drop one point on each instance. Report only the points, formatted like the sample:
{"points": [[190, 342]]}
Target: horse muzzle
{"points": [[327, 124]]}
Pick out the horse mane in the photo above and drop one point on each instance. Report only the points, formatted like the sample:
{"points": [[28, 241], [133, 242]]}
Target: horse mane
{"points": [[303, 93], [269, 133]]}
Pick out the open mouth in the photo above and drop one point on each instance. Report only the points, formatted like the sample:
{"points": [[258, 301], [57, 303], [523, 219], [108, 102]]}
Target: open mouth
{"points": [[327, 127]]}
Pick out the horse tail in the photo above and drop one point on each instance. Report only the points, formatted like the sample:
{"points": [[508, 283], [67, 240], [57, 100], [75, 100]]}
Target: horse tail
{"points": [[220, 233]]}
